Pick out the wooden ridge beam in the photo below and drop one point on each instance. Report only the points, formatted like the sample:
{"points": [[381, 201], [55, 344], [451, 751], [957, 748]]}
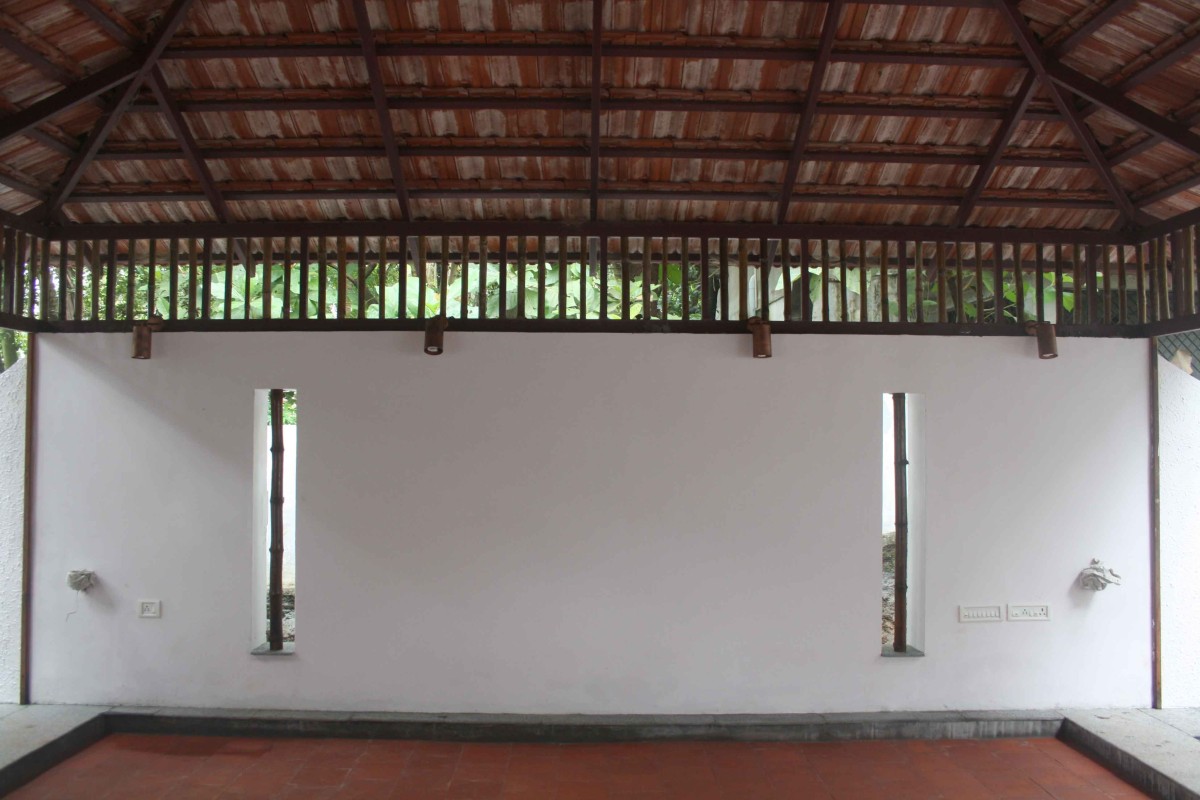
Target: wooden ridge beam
{"points": [[808, 114], [999, 142], [1039, 62], [379, 101]]}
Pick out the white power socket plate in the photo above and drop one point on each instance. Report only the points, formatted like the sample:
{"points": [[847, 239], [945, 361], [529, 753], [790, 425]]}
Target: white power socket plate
{"points": [[1037, 613], [979, 614], [149, 609]]}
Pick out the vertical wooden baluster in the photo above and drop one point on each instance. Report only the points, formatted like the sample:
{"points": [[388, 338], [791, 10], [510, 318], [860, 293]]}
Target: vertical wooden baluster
{"points": [[483, 281], [322, 277], [585, 258], [63, 281], [464, 276], [785, 265], [286, 292], [1191, 269], [1079, 286], [998, 281], [6, 265], [1164, 285], [1178, 282], [268, 277], [707, 310], [623, 243], [885, 306], [47, 292], [503, 256], [605, 275], [444, 278], [16, 301], [1123, 280], [423, 277], [1092, 265], [1059, 308], [977, 250], [541, 277], [407, 259], [343, 302], [32, 273], [1106, 261], [151, 276], [381, 275], [723, 277], [943, 289], [902, 282], [862, 281], [562, 277], [361, 275], [303, 269], [230, 259], [685, 271], [1039, 260], [206, 287], [647, 243], [110, 281], [79, 276], [764, 279], [172, 279], [248, 275], [1147, 291], [825, 280], [191, 262], [959, 249], [919, 280], [1018, 282], [519, 278], [843, 282], [664, 282]]}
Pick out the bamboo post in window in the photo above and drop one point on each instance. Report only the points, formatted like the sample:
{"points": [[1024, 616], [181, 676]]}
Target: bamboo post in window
{"points": [[275, 590], [900, 440]]}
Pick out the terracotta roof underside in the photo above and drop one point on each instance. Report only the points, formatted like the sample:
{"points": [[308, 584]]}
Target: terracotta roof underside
{"points": [[701, 110]]}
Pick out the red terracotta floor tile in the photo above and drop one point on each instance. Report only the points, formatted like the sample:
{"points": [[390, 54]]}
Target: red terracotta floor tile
{"points": [[211, 768]]}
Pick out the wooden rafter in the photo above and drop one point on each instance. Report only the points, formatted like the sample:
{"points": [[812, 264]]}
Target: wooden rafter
{"points": [[808, 114], [96, 138], [996, 150], [1039, 62], [380, 104], [78, 92], [110, 21], [36, 51]]}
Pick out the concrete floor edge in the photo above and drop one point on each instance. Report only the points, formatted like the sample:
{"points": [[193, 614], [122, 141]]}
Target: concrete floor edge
{"points": [[593, 729]]}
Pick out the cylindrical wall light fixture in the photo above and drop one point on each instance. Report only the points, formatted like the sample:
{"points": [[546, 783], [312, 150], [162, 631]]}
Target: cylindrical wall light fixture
{"points": [[760, 333], [1047, 338], [435, 334], [143, 336]]}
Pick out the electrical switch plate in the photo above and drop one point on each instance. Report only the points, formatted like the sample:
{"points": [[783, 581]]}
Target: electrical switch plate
{"points": [[150, 609], [1028, 613], [979, 614]]}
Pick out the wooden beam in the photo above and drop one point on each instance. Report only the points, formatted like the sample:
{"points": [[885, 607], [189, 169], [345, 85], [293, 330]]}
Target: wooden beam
{"points": [[379, 98], [79, 92], [833, 14], [1038, 61], [999, 142], [594, 141], [191, 152], [170, 23]]}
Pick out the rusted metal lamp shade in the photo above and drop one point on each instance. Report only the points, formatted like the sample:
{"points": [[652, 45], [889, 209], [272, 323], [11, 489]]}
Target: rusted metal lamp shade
{"points": [[142, 336], [435, 330], [1047, 338], [760, 332]]}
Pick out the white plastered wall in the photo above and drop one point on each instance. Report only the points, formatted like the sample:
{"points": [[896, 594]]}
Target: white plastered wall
{"points": [[1179, 492], [591, 523], [12, 519]]}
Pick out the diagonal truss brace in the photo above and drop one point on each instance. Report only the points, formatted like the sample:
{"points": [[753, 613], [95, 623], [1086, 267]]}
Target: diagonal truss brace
{"points": [[1003, 135], [379, 96], [79, 163], [1038, 61], [808, 113]]}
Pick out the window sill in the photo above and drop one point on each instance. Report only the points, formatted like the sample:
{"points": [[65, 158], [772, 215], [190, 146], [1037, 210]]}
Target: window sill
{"points": [[911, 652], [289, 649]]}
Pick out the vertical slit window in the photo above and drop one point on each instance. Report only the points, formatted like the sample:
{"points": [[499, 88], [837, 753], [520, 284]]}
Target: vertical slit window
{"points": [[903, 517], [274, 520]]}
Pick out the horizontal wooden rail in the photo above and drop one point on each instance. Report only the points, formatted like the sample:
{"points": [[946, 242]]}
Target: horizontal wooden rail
{"points": [[503, 277]]}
